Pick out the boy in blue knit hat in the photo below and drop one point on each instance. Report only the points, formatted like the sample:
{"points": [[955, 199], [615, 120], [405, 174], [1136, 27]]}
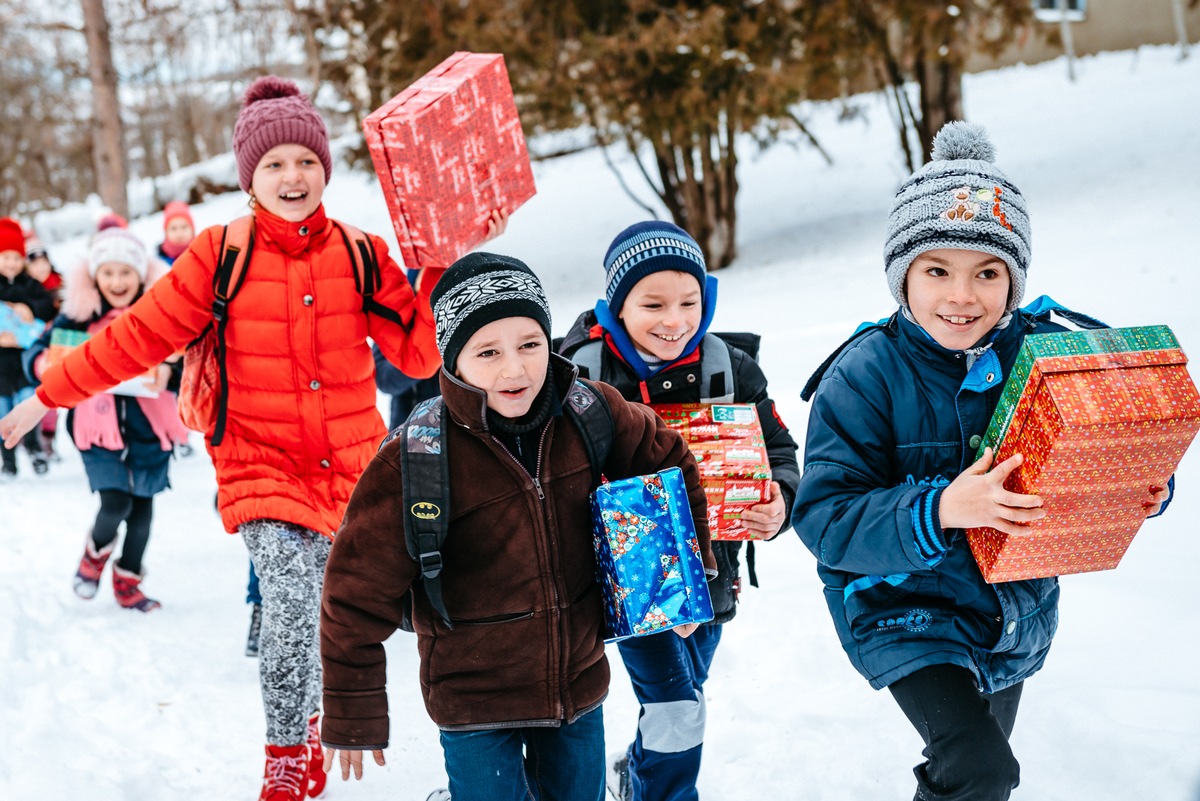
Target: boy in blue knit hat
{"points": [[889, 484], [648, 337]]}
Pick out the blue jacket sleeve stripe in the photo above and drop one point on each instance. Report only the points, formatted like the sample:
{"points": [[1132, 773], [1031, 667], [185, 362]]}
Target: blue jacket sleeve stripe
{"points": [[927, 526]]}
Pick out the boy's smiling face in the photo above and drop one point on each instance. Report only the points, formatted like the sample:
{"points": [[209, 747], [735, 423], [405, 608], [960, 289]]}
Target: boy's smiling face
{"points": [[508, 359], [288, 182], [957, 296], [662, 313]]}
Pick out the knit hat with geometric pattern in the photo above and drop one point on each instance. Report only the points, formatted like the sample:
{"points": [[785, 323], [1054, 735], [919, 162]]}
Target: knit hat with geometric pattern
{"points": [[275, 113], [481, 288], [960, 200]]}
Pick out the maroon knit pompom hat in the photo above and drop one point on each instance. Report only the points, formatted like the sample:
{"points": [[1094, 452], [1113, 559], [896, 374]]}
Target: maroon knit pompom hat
{"points": [[274, 113]]}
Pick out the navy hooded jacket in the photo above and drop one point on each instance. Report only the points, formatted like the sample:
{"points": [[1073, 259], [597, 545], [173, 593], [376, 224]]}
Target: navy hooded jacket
{"points": [[895, 418]]}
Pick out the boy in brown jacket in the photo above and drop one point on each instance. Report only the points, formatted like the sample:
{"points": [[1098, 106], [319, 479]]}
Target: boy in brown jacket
{"points": [[516, 685]]}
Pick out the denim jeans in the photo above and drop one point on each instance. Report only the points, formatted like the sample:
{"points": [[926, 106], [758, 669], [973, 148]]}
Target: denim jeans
{"points": [[532, 763], [668, 674]]}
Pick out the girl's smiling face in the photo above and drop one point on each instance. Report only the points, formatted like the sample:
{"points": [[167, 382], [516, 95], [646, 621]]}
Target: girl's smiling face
{"points": [[288, 182], [179, 231], [118, 283], [957, 296]]}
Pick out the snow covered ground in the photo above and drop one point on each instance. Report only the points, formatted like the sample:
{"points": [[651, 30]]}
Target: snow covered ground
{"points": [[101, 704]]}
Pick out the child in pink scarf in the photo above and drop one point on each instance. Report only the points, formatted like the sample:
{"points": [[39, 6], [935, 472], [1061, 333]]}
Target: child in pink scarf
{"points": [[125, 436]]}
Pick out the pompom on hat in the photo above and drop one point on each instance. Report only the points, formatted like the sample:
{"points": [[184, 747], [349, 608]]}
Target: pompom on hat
{"points": [[12, 236], [960, 200], [111, 220], [117, 245], [274, 113], [481, 288]]}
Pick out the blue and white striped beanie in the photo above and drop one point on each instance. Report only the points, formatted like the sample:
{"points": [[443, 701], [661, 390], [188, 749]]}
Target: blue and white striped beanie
{"points": [[960, 200], [648, 247]]}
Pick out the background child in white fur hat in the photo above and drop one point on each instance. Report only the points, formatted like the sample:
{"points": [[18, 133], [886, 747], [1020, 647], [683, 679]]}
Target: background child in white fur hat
{"points": [[125, 441]]}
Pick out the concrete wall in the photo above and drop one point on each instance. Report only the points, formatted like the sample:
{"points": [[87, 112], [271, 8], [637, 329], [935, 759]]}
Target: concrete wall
{"points": [[1107, 25]]}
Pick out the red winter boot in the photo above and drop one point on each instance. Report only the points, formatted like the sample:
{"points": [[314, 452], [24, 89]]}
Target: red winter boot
{"points": [[316, 759], [91, 566], [285, 777], [129, 594]]}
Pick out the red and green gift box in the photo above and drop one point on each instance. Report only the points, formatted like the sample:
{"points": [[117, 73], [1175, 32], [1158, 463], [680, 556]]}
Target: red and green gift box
{"points": [[1100, 417], [449, 150], [727, 441]]}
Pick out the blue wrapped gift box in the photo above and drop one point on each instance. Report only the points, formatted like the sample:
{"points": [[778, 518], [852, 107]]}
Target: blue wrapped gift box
{"points": [[648, 555]]}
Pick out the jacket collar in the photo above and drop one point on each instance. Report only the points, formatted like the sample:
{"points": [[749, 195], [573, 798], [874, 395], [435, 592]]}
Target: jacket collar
{"points": [[467, 405], [293, 238]]}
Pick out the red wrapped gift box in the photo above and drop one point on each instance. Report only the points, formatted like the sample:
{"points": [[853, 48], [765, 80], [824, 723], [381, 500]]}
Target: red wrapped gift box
{"points": [[727, 441], [449, 150], [1099, 417]]}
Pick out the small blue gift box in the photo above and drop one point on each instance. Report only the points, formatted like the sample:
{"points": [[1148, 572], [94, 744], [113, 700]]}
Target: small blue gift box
{"points": [[647, 555], [26, 333]]}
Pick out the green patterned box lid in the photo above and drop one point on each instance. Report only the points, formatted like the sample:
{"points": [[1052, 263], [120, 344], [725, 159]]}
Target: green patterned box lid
{"points": [[1067, 343], [68, 339]]}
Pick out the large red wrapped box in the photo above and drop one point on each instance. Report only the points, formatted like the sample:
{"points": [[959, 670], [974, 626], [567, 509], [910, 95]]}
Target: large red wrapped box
{"points": [[1099, 417], [727, 441], [449, 150]]}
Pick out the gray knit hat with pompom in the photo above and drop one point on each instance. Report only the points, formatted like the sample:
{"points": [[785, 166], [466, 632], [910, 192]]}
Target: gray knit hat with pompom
{"points": [[960, 199]]}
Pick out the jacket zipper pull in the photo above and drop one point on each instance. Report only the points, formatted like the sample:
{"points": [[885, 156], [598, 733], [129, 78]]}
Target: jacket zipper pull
{"points": [[537, 485]]}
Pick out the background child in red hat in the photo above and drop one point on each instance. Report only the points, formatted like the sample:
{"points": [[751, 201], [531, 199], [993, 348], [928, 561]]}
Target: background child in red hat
{"points": [[26, 303]]}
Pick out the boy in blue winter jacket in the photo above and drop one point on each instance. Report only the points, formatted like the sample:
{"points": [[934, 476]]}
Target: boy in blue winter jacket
{"points": [[648, 337], [890, 480]]}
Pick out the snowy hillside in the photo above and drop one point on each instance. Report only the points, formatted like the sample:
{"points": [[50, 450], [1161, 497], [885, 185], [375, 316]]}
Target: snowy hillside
{"points": [[101, 704]]}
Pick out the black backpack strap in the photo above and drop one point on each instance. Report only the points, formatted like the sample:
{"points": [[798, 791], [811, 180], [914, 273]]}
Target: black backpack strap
{"points": [[367, 277], [810, 386], [590, 413], [716, 371], [237, 244], [588, 357], [745, 341], [425, 471]]}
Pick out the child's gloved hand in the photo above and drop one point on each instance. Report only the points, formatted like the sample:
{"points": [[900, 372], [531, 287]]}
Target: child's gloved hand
{"points": [[350, 760], [766, 519], [978, 498], [1158, 496]]}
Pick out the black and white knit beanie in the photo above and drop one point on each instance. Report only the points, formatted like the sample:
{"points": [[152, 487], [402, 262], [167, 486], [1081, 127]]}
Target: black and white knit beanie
{"points": [[960, 199], [481, 288]]}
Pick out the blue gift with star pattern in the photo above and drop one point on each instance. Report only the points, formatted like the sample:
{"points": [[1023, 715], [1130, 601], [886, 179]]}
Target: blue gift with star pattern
{"points": [[648, 555]]}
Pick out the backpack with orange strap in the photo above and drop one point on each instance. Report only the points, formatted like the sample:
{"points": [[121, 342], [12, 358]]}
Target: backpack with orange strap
{"points": [[204, 387]]}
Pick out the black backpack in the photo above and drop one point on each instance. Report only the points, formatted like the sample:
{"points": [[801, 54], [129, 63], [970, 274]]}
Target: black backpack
{"points": [[425, 473]]}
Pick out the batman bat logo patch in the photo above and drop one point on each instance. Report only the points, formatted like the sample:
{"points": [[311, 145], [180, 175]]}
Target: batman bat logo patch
{"points": [[424, 510]]}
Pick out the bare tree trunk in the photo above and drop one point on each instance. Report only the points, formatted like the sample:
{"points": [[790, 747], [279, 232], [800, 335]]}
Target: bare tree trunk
{"points": [[108, 156], [1180, 28], [1068, 42], [940, 81]]}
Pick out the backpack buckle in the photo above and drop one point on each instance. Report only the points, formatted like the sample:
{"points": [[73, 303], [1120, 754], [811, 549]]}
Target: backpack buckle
{"points": [[219, 307], [431, 564]]}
